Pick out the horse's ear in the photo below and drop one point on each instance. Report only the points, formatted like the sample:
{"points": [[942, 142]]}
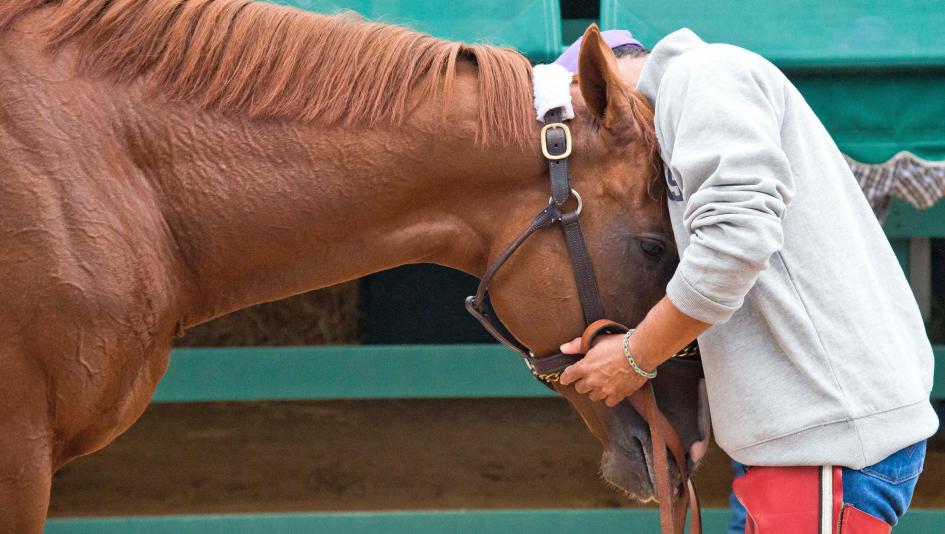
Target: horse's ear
{"points": [[605, 93]]}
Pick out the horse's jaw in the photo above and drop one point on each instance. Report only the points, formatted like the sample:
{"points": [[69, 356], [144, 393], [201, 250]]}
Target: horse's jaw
{"points": [[627, 462]]}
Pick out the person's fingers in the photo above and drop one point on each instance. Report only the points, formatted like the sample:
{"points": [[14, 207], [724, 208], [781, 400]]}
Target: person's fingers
{"points": [[572, 347], [582, 387], [569, 375], [573, 373], [613, 401], [597, 395], [698, 450]]}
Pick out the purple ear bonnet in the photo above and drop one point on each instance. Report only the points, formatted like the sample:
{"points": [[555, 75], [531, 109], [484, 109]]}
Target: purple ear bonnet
{"points": [[613, 38]]}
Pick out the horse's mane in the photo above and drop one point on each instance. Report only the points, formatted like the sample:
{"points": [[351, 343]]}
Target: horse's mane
{"points": [[278, 62]]}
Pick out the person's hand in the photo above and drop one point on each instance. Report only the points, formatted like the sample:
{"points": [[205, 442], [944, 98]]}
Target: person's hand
{"points": [[604, 373]]}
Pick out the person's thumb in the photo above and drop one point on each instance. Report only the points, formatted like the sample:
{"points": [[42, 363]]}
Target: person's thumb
{"points": [[572, 347]]}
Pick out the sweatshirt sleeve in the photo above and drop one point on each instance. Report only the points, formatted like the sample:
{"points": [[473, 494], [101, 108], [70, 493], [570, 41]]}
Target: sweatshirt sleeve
{"points": [[723, 113]]}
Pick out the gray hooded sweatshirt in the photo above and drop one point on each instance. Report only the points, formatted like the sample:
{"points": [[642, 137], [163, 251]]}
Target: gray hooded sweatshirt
{"points": [[817, 354]]}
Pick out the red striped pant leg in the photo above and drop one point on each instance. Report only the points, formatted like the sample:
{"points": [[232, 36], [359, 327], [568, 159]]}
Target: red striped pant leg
{"points": [[791, 500]]}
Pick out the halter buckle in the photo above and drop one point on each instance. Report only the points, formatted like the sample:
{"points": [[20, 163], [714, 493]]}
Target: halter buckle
{"points": [[567, 140]]}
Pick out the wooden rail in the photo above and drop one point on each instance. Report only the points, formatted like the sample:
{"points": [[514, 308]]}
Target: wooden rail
{"points": [[424, 522]]}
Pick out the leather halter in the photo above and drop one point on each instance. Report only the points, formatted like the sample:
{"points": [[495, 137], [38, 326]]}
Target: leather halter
{"points": [[556, 147]]}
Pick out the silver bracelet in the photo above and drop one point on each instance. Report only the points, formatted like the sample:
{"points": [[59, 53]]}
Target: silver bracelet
{"points": [[633, 363]]}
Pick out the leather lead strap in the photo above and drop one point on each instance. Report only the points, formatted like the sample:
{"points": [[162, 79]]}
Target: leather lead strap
{"points": [[662, 436]]}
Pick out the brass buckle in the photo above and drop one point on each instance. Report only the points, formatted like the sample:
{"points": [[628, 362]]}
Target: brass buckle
{"points": [[567, 140]]}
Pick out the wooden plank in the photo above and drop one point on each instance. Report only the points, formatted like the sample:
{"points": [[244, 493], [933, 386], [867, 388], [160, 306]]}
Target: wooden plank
{"points": [[920, 274], [938, 380], [453, 521], [531, 26], [362, 372], [899, 35], [904, 221], [901, 247], [346, 372], [571, 29], [922, 521]]}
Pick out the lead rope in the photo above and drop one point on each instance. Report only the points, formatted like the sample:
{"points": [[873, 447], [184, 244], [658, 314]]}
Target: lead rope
{"points": [[662, 435], [673, 511]]}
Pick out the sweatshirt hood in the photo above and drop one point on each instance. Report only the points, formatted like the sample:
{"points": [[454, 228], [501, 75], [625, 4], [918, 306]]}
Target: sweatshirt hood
{"points": [[662, 56]]}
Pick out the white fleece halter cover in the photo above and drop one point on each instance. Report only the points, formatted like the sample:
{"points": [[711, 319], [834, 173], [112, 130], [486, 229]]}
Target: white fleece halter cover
{"points": [[552, 87]]}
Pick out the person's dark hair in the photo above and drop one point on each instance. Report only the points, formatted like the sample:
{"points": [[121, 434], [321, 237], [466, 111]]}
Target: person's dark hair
{"points": [[630, 51]]}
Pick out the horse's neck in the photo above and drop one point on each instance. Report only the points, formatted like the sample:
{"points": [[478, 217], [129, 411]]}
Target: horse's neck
{"points": [[263, 211], [260, 210]]}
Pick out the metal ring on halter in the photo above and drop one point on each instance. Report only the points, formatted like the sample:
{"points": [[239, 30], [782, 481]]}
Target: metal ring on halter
{"points": [[575, 194]]}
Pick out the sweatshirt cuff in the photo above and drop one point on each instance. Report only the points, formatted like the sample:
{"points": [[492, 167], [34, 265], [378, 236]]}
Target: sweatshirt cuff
{"points": [[694, 304]]}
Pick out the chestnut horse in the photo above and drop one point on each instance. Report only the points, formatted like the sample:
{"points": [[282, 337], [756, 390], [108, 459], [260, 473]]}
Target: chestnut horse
{"points": [[165, 162]]}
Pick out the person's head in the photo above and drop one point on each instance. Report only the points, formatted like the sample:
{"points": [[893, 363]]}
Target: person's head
{"points": [[629, 51], [630, 61]]}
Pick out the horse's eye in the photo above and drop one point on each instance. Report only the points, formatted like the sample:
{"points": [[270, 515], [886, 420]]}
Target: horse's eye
{"points": [[652, 247]]}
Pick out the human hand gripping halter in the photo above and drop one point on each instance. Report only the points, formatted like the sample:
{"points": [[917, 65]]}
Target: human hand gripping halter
{"points": [[552, 90]]}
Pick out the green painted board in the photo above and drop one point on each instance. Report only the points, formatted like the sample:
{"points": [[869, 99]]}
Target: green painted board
{"points": [[346, 372], [361, 372], [531, 26], [571, 29], [938, 380], [874, 72], [425, 522], [809, 33], [904, 221], [874, 113], [901, 248], [452, 522]]}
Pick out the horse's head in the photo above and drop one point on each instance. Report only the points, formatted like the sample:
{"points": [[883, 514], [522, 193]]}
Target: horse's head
{"points": [[615, 168]]}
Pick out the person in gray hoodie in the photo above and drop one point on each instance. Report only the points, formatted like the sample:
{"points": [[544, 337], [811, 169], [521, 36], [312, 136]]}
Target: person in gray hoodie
{"points": [[817, 365]]}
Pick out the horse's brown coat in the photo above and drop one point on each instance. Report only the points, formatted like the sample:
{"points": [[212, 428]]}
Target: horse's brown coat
{"points": [[156, 173]]}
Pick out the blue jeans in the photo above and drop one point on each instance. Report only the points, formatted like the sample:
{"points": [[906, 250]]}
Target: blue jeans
{"points": [[736, 517], [883, 490]]}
